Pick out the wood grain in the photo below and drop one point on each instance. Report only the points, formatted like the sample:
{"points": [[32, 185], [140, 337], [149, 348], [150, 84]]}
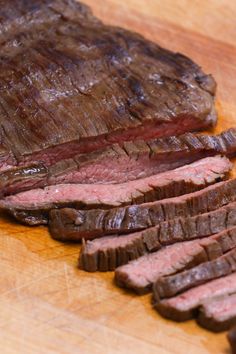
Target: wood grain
{"points": [[47, 304]]}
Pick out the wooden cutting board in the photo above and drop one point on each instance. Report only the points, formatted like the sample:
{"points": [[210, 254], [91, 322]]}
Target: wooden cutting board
{"points": [[47, 305]]}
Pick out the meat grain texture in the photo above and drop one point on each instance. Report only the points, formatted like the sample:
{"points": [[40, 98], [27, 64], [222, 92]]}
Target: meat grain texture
{"points": [[75, 96], [33, 206], [120, 162], [72, 224], [78, 85], [109, 252]]}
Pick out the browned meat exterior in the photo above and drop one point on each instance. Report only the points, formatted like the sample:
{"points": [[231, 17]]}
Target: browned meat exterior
{"points": [[120, 163], [117, 250], [71, 84], [232, 339], [183, 307], [218, 314], [185, 179], [178, 283], [71, 224], [140, 274]]}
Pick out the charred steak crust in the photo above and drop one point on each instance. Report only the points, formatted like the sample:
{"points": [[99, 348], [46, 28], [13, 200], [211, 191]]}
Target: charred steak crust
{"points": [[120, 163], [77, 84], [94, 223], [137, 244], [25, 206]]}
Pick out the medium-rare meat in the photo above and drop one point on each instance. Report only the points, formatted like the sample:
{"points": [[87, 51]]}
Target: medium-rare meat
{"points": [[71, 84], [123, 248], [71, 224], [140, 274], [184, 306], [218, 314], [185, 179], [178, 283], [232, 339], [120, 163]]}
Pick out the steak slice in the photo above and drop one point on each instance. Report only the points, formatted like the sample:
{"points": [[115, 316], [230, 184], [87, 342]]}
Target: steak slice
{"points": [[178, 283], [232, 339], [71, 224], [120, 163], [218, 314], [83, 85], [185, 179], [123, 248], [184, 306], [140, 274]]}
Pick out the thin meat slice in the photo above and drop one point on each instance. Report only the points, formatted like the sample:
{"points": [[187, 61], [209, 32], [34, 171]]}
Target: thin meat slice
{"points": [[183, 180], [96, 255], [232, 339], [178, 283], [184, 306], [120, 163], [70, 224], [218, 314], [84, 85], [140, 274]]}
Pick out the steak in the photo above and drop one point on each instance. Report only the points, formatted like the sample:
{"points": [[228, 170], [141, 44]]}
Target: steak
{"points": [[120, 163], [184, 306], [178, 283], [121, 249], [232, 339], [140, 274], [71, 224], [185, 179], [218, 314], [71, 84]]}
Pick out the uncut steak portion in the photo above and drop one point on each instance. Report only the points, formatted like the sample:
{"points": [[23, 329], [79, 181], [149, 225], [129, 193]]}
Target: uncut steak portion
{"points": [[140, 274], [109, 252], [120, 163], [72, 224], [184, 306], [178, 283], [71, 84], [185, 179], [218, 314]]}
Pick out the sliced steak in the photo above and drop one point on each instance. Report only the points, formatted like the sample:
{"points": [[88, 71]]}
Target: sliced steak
{"points": [[184, 306], [71, 224], [123, 248], [178, 283], [120, 163], [218, 314], [232, 339], [140, 274], [83, 85], [185, 179]]}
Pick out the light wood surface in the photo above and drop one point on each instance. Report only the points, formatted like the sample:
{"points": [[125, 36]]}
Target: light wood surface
{"points": [[47, 305]]}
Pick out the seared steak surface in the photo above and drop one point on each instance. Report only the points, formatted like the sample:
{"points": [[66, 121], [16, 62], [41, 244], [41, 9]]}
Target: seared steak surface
{"points": [[71, 84]]}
